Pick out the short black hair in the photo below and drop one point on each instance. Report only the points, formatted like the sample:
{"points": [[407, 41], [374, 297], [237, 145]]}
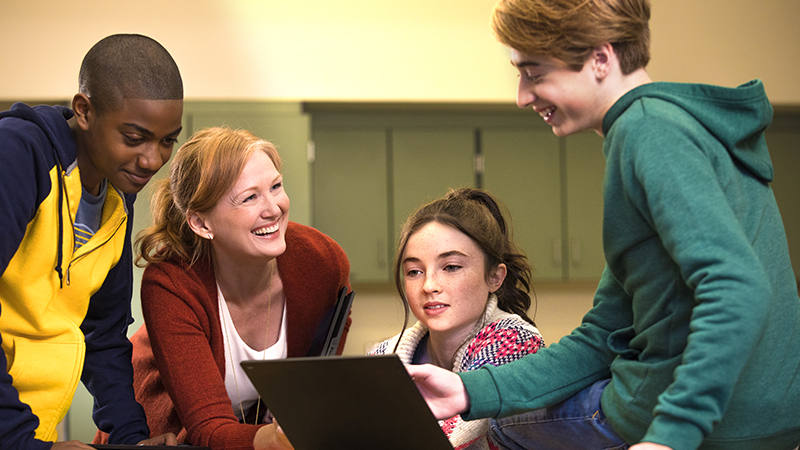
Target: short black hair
{"points": [[128, 66]]}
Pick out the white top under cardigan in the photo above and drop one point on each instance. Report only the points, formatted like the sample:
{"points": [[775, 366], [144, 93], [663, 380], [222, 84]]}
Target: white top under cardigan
{"points": [[239, 351]]}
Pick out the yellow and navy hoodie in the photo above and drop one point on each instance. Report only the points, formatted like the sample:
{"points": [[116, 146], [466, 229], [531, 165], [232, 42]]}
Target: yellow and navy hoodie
{"points": [[64, 312]]}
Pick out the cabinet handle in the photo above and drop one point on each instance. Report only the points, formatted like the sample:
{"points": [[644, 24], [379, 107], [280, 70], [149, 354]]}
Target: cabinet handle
{"points": [[381, 250], [557, 252], [576, 252]]}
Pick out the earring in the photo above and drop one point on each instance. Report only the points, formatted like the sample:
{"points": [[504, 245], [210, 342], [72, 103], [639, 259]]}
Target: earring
{"points": [[210, 237]]}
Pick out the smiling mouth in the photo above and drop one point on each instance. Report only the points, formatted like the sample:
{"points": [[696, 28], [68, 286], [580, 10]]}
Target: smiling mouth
{"points": [[143, 179], [435, 307], [266, 231], [547, 113]]}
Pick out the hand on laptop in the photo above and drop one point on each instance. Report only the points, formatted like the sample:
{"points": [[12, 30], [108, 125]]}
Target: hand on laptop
{"points": [[164, 439], [271, 437], [442, 390]]}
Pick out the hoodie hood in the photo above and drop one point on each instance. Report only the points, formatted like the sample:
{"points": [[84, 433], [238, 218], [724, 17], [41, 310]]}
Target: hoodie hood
{"points": [[52, 121], [736, 117]]}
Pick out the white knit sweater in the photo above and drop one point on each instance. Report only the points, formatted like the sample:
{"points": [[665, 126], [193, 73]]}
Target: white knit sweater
{"points": [[498, 338]]}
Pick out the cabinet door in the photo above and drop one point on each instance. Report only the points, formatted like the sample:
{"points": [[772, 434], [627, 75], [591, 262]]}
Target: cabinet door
{"points": [[585, 167], [426, 163], [522, 170], [350, 198]]}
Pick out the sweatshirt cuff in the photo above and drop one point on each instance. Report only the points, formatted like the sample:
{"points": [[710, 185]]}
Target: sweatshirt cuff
{"points": [[674, 433], [484, 397]]}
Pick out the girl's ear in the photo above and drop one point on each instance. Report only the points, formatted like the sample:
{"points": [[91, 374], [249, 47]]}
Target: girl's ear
{"points": [[199, 225], [497, 277]]}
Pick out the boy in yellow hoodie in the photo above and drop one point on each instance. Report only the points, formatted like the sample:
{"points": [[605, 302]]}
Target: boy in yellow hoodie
{"points": [[69, 179]]}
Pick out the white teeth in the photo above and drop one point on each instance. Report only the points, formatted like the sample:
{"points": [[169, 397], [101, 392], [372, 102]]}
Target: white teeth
{"points": [[266, 230], [435, 307], [547, 112]]}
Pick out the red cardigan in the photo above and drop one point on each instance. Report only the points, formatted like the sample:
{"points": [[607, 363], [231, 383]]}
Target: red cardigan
{"points": [[179, 369]]}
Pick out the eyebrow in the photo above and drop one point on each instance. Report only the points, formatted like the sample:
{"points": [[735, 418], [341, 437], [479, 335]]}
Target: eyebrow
{"points": [[254, 187], [149, 133], [441, 256], [526, 63]]}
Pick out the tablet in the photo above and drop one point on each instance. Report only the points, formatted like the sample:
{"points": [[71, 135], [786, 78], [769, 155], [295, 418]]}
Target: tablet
{"points": [[353, 402], [329, 333]]}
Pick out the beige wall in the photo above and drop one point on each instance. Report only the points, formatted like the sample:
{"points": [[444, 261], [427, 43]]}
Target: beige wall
{"points": [[373, 49]]}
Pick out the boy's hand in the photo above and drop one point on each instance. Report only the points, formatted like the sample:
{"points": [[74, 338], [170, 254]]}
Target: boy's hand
{"points": [[164, 439], [442, 390]]}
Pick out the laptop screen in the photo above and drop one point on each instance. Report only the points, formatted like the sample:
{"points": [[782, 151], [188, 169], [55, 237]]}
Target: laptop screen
{"points": [[355, 402]]}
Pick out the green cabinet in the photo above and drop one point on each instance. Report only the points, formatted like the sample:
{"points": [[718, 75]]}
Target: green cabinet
{"points": [[378, 166], [522, 169], [553, 189], [426, 163], [584, 168], [350, 201]]}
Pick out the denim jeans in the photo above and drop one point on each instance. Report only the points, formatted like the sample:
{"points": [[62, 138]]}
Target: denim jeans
{"points": [[577, 423]]}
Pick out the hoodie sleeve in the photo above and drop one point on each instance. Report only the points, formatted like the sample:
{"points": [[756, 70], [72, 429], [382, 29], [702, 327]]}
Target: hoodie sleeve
{"points": [[555, 373], [23, 177], [107, 372]]}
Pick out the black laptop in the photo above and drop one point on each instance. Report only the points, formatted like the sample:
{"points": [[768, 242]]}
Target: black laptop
{"points": [[354, 403]]}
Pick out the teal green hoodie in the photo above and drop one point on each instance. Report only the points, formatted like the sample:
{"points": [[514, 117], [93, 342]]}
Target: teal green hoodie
{"points": [[696, 318]]}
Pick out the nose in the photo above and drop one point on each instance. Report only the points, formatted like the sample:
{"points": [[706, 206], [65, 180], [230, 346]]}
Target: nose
{"points": [[525, 95], [270, 208], [152, 158], [431, 284]]}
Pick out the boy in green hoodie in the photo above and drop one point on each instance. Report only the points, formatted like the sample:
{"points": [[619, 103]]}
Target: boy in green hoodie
{"points": [[691, 341]]}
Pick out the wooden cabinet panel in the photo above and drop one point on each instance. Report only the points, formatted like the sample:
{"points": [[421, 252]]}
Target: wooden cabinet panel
{"points": [[425, 164], [522, 170], [350, 198], [584, 170]]}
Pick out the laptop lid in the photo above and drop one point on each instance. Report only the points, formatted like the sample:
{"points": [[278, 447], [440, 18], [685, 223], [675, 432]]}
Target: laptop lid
{"points": [[353, 402]]}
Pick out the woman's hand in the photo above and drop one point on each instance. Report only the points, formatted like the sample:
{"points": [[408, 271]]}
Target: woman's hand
{"points": [[164, 439], [271, 437], [442, 390]]}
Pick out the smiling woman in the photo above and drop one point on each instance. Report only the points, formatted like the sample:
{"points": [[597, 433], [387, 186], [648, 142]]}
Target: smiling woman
{"points": [[228, 278], [467, 284]]}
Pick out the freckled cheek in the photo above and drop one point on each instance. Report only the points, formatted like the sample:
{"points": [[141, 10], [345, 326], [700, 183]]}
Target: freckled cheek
{"points": [[413, 294]]}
